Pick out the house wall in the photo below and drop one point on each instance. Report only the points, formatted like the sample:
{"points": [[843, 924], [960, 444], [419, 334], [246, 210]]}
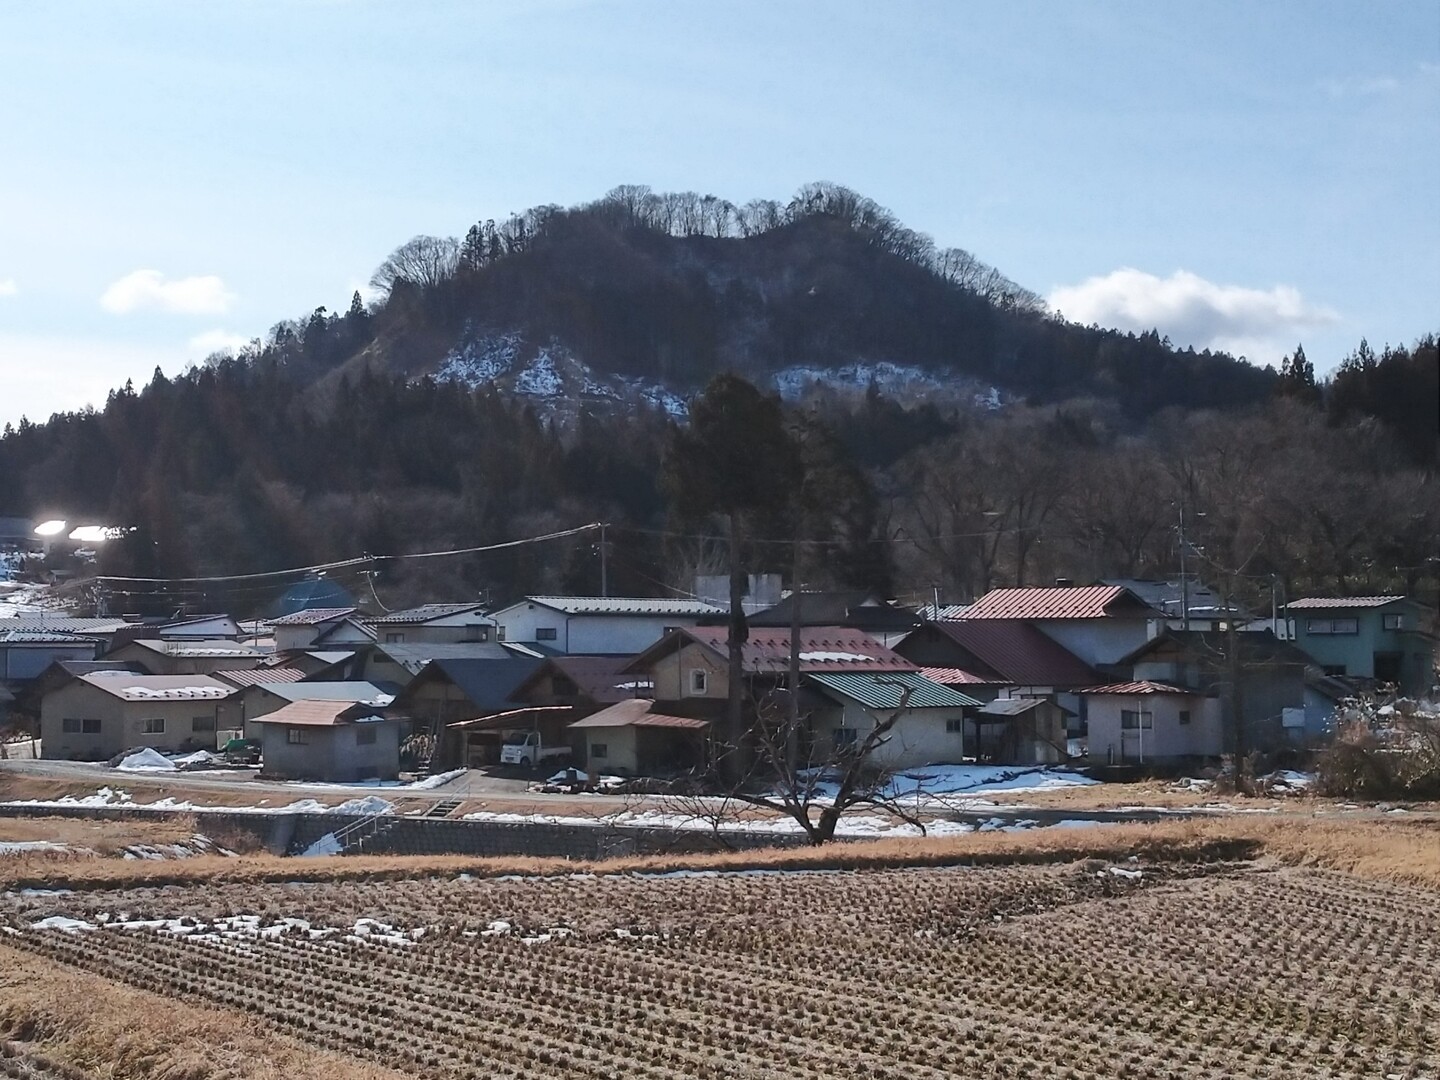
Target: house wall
{"points": [[1098, 641], [918, 738], [672, 675], [22, 661], [1355, 653], [1167, 740], [332, 753], [379, 668], [455, 630], [122, 724], [621, 751], [220, 627], [586, 634]]}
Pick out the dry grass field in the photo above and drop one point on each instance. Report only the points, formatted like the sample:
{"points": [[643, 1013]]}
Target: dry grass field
{"points": [[1182, 950]]}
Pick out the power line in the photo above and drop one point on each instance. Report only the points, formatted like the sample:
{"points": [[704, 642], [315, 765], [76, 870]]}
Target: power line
{"points": [[368, 562]]}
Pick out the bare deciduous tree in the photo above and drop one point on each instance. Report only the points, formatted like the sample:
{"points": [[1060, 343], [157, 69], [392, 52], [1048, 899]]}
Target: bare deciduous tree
{"points": [[422, 260]]}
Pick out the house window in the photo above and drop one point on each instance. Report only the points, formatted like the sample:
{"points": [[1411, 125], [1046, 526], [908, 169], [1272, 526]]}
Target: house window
{"points": [[365, 736], [154, 726], [203, 725], [955, 726], [297, 736], [1332, 626], [69, 726], [599, 750], [394, 639], [499, 633], [699, 681], [846, 737], [1184, 716], [1135, 720], [90, 725], [545, 633], [1393, 622]]}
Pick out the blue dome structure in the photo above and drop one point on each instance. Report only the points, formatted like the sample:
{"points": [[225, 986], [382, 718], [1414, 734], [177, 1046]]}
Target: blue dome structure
{"points": [[316, 592]]}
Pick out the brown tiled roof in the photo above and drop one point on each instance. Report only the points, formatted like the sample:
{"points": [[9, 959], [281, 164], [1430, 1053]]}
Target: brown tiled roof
{"points": [[1058, 602], [638, 712], [1020, 654]]}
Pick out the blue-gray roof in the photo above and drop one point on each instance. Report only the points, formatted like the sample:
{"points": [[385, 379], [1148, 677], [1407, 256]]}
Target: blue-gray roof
{"points": [[885, 689]]}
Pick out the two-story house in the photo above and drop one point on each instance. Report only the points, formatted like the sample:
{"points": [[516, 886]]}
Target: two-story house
{"points": [[1386, 638]]}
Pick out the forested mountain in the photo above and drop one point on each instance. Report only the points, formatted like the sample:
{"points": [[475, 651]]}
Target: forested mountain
{"points": [[532, 377], [650, 295]]}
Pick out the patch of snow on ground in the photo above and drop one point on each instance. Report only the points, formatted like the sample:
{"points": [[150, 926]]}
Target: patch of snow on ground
{"points": [[20, 847], [539, 377], [480, 361], [326, 845], [368, 806], [438, 780], [147, 760]]}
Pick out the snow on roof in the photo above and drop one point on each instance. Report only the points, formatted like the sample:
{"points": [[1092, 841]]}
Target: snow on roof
{"points": [[313, 616], [200, 647], [822, 648], [131, 687], [424, 613], [1142, 686], [625, 605]]}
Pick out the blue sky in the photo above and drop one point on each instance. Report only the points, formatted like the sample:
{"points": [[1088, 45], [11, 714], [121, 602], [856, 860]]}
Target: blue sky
{"points": [[174, 176]]}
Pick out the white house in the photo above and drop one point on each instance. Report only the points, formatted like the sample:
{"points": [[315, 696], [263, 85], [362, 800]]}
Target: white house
{"points": [[434, 624], [1145, 722], [598, 625], [302, 629]]}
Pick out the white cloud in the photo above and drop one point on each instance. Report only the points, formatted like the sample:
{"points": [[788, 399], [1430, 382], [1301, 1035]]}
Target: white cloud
{"points": [[1258, 323], [213, 341], [8, 287], [184, 296]]}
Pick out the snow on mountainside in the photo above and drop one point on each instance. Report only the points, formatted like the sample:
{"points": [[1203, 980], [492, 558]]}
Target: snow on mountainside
{"points": [[559, 383]]}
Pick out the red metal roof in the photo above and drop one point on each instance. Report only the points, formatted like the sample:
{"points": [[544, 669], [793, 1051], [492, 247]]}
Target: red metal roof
{"points": [[638, 712], [1058, 602], [822, 648], [1020, 654], [954, 676], [1141, 687]]}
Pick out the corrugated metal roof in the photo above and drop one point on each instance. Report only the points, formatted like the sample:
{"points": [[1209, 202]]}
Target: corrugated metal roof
{"points": [[320, 714], [822, 648], [1058, 602], [638, 713], [1019, 653], [328, 691], [597, 677], [251, 676], [1019, 706], [200, 647], [886, 690], [423, 614], [313, 616], [954, 676], [1321, 603], [62, 624], [413, 658], [1142, 686], [626, 605], [40, 637]]}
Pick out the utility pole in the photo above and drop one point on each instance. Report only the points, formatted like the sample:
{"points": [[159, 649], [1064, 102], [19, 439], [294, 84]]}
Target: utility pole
{"points": [[1184, 581], [604, 564]]}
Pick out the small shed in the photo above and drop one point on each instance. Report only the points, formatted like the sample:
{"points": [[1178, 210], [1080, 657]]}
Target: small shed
{"points": [[335, 741], [634, 738], [1021, 731]]}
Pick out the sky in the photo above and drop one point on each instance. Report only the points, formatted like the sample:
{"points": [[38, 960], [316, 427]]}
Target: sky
{"points": [[176, 178]]}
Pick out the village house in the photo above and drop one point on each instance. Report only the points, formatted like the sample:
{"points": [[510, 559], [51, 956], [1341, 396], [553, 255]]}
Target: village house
{"points": [[1100, 624], [187, 657], [448, 698], [1020, 731], [434, 624], [336, 742], [690, 674], [249, 703], [857, 610], [1144, 722], [637, 737], [25, 654], [592, 625], [302, 629], [1388, 639], [96, 715]]}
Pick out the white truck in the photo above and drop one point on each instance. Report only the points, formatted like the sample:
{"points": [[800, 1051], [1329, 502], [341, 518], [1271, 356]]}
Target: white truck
{"points": [[526, 748]]}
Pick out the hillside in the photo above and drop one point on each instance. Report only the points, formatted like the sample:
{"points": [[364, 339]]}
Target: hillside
{"points": [[640, 295]]}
